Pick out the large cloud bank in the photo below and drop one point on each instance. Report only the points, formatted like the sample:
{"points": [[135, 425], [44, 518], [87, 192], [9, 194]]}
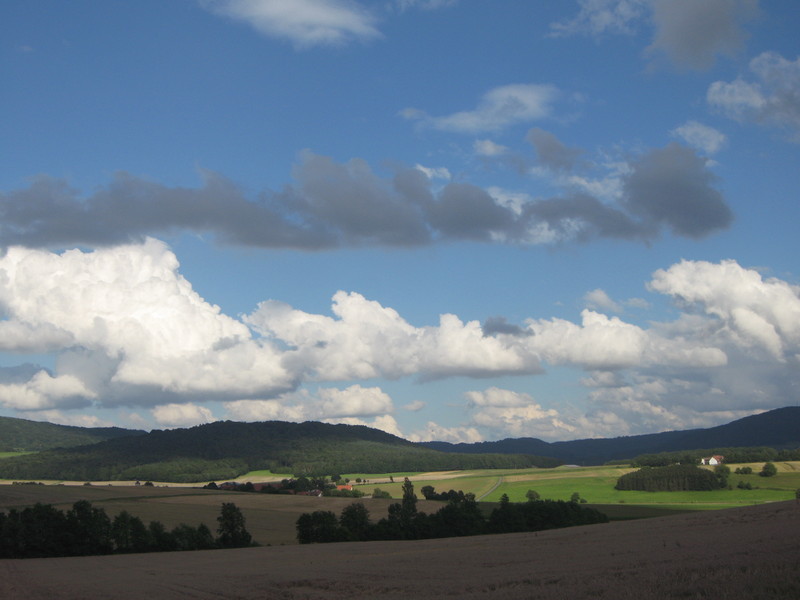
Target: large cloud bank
{"points": [[332, 205], [128, 329]]}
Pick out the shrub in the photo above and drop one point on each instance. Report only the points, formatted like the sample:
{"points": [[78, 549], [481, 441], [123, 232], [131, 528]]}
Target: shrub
{"points": [[379, 493], [768, 470], [532, 495]]}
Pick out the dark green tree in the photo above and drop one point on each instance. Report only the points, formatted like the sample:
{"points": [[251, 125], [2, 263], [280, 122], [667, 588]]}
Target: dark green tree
{"points": [[532, 495], [506, 518], [186, 537], [409, 501], [768, 470], [318, 527], [231, 530], [160, 539], [457, 518], [128, 533], [43, 531], [722, 472], [354, 520], [90, 529], [408, 510]]}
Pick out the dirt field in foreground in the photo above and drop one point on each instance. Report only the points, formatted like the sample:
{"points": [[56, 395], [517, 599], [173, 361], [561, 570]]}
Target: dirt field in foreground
{"points": [[742, 553]]}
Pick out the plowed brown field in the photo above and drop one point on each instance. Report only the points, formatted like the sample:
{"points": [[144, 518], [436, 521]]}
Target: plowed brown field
{"points": [[742, 553]]}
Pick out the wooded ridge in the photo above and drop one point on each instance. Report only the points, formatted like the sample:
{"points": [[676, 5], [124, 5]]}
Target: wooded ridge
{"points": [[226, 449], [778, 429], [22, 435]]}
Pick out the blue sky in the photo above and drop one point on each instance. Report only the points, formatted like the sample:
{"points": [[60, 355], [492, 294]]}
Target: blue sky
{"points": [[449, 219]]}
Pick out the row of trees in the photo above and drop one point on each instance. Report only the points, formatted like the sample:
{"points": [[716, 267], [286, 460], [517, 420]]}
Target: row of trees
{"points": [[732, 455], [461, 516], [44, 531], [429, 493], [298, 485]]}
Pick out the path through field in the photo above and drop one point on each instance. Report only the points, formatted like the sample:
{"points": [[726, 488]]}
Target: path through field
{"points": [[497, 484]]}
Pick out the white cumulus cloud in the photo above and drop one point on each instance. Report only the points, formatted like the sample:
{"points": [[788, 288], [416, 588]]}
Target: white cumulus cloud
{"points": [[354, 401], [435, 432], [771, 97], [43, 391], [127, 329], [602, 342], [489, 148], [354, 405], [509, 413], [702, 137], [367, 340], [756, 313], [498, 109], [305, 23], [598, 17], [128, 325], [601, 300], [182, 415]]}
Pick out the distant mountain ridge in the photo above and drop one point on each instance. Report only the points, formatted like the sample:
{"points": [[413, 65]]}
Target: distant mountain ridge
{"points": [[226, 449], [22, 435], [779, 429]]}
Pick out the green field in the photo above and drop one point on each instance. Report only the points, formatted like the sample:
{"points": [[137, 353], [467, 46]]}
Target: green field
{"points": [[596, 486], [12, 454]]}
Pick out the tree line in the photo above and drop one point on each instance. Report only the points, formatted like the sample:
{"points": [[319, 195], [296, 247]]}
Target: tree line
{"points": [[43, 531], [732, 455], [461, 516], [673, 478]]}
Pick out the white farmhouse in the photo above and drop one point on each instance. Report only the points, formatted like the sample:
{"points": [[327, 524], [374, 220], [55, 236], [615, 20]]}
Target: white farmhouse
{"points": [[712, 460]]}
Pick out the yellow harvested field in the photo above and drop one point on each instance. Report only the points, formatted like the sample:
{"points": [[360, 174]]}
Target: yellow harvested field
{"points": [[743, 553]]}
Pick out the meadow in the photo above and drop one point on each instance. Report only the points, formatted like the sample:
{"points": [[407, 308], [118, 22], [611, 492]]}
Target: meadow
{"points": [[595, 485]]}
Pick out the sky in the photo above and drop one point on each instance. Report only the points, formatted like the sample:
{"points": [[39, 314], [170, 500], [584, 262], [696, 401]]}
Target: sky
{"points": [[453, 220]]}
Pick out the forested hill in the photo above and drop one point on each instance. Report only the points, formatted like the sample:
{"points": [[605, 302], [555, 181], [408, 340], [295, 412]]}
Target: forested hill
{"points": [[779, 428], [226, 449], [19, 435]]}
